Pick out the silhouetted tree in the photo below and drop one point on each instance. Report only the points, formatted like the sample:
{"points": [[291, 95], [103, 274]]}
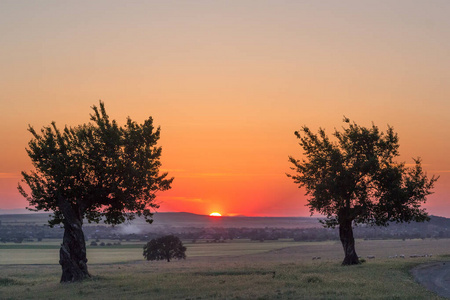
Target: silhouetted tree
{"points": [[92, 172], [354, 179], [166, 247]]}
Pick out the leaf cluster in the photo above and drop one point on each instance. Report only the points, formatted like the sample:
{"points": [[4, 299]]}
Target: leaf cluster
{"points": [[354, 176], [102, 170]]}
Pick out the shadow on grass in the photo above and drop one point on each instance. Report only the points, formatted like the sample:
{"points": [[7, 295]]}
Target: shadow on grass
{"points": [[234, 273], [9, 282]]}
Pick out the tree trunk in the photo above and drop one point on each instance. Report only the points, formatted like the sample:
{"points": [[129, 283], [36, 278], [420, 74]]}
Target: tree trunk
{"points": [[72, 255], [348, 242]]}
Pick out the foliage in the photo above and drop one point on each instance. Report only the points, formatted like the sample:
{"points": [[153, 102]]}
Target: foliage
{"points": [[93, 171], [355, 180], [165, 248], [99, 168], [357, 175]]}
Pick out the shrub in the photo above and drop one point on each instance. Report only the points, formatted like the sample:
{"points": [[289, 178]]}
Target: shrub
{"points": [[166, 247]]}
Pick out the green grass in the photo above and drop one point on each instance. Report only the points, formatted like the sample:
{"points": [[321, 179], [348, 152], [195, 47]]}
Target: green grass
{"points": [[283, 270], [47, 252]]}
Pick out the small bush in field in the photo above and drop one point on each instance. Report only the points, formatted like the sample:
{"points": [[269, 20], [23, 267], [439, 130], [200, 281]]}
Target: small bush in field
{"points": [[165, 248]]}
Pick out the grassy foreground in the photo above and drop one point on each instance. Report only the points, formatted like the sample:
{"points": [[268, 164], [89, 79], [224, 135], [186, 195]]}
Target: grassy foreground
{"points": [[282, 273]]}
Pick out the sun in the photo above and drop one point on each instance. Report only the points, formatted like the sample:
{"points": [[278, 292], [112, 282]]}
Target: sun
{"points": [[215, 214]]}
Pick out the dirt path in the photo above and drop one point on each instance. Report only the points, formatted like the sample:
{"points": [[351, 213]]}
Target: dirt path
{"points": [[435, 277]]}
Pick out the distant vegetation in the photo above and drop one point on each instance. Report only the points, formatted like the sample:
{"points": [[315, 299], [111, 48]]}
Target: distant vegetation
{"points": [[20, 228]]}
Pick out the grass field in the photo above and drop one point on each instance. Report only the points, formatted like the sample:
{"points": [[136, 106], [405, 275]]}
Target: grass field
{"points": [[235, 270], [47, 252]]}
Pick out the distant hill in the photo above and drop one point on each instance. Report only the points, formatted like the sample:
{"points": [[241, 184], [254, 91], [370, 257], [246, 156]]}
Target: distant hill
{"points": [[14, 211], [29, 227], [182, 219], [194, 220], [190, 220]]}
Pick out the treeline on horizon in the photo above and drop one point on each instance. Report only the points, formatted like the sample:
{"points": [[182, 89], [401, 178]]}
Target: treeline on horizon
{"points": [[32, 232]]}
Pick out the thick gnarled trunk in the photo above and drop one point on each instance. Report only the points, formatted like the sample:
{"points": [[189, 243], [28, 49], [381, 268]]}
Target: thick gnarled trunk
{"points": [[72, 255], [348, 242]]}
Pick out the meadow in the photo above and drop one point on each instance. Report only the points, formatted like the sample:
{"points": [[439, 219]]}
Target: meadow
{"points": [[240, 269]]}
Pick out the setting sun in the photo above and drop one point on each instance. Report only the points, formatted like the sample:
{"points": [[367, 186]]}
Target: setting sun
{"points": [[226, 89], [215, 214]]}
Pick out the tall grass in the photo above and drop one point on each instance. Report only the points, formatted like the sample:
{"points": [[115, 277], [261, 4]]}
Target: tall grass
{"points": [[220, 280]]}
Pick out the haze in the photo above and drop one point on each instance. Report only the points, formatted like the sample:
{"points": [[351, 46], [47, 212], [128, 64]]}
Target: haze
{"points": [[229, 83]]}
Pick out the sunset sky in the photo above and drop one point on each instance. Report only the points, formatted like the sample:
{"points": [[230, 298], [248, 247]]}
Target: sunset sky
{"points": [[229, 82]]}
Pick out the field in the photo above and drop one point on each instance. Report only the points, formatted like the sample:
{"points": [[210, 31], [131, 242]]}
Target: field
{"points": [[233, 270]]}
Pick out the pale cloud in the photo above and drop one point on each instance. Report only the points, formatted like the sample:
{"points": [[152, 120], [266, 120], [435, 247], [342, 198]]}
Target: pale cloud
{"points": [[188, 199], [413, 165], [172, 170], [226, 175], [9, 175], [181, 173]]}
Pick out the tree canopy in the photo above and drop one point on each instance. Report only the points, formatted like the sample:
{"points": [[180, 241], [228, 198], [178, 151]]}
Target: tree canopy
{"points": [[165, 248], [353, 179], [99, 168], [95, 171]]}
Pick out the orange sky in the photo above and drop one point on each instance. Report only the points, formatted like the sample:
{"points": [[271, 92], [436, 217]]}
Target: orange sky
{"points": [[229, 82]]}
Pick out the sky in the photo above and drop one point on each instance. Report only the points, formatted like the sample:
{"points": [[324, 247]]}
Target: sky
{"points": [[229, 82]]}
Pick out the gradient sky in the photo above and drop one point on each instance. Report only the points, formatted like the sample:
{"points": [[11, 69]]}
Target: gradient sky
{"points": [[229, 82]]}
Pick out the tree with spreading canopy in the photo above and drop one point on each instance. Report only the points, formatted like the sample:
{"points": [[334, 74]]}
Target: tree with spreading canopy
{"points": [[165, 248], [95, 171], [354, 179]]}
